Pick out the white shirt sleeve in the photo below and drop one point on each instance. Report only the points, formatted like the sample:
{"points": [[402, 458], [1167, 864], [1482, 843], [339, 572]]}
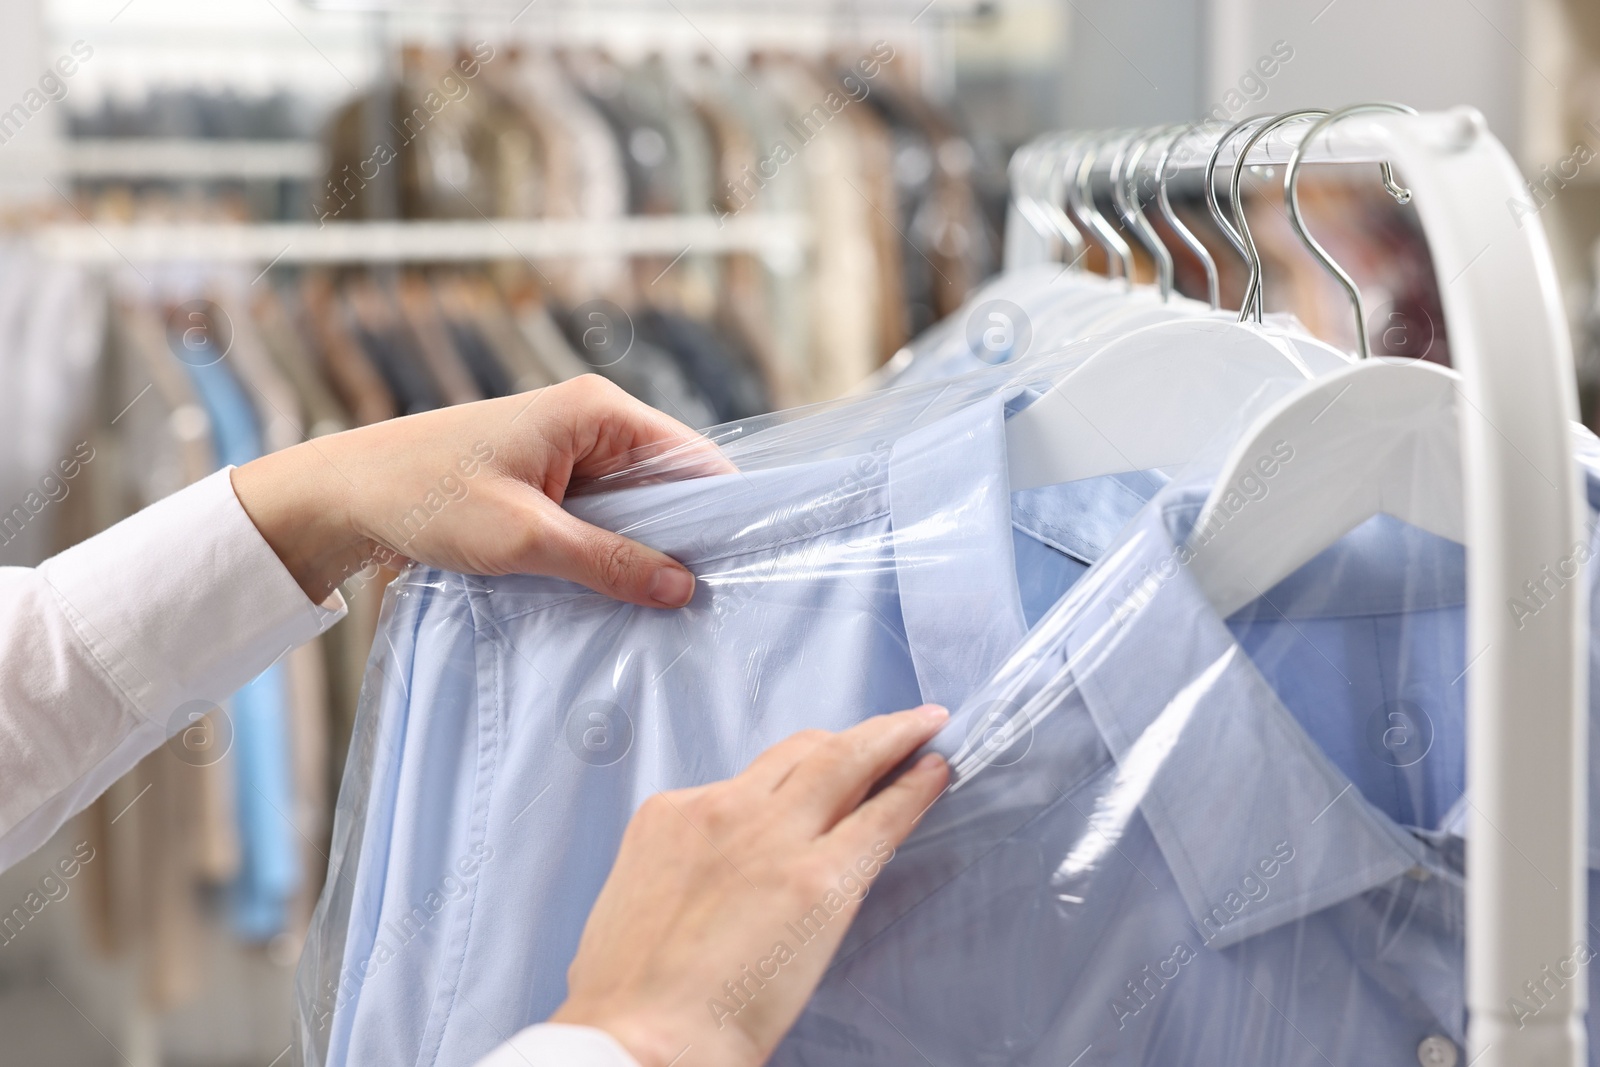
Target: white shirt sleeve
{"points": [[109, 648], [558, 1045]]}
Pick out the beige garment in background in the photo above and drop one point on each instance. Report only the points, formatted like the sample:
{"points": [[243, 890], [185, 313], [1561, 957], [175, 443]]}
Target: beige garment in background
{"points": [[846, 291], [307, 678], [168, 827], [358, 383], [876, 184], [599, 178], [320, 410]]}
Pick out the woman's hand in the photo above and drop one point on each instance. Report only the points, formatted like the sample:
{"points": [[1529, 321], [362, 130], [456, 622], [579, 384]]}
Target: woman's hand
{"points": [[727, 902], [475, 488]]}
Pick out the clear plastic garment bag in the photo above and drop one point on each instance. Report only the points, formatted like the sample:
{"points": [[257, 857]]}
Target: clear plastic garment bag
{"points": [[1186, 824]]}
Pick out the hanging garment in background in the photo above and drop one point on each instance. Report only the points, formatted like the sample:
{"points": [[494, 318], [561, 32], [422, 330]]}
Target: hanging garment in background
{"points": [[847, 290], [52, 323], [145, 898], [270, 872]]}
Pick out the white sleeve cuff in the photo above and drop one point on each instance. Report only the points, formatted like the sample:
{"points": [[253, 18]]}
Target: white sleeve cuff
{"points": [[111, 647], [184, 600], [559, 1045]]}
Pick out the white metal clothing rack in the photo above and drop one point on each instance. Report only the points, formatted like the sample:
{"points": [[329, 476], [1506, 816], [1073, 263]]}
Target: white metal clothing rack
{"points": [[779, 237], [1527, 713]]}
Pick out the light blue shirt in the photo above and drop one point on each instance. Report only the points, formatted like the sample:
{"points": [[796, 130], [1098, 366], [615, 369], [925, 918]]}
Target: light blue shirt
{"points": [[1200, 842], [1216, 842], [516, 723]]}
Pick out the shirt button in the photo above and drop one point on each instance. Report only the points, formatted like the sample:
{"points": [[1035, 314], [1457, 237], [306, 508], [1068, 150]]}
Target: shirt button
{"points": [[1436, 1051]]}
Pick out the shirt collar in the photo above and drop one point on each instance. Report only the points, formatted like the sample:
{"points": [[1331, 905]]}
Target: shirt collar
{"points": [[1229, 784]]}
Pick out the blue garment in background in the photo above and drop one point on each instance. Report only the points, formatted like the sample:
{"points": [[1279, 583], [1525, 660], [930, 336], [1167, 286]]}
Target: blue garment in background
{"points": [[269, 869]]}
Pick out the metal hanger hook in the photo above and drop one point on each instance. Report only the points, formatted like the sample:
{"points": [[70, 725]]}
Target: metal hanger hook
{"points": [[1252, 290], [1291, 199], [1126, 192], [1186, 235], [1211, 183], [1084, 209], [1053, 168]]}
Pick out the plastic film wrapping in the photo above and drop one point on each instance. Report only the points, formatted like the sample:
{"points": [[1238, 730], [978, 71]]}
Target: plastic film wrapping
{"points": [[1170, 838]]}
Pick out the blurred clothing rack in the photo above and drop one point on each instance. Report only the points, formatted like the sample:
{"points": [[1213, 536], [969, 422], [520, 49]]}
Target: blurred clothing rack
{"points": [[778, 236], [936, 10], [177, 158]]}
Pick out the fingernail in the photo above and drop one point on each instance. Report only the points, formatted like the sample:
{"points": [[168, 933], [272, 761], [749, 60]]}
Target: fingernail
{"points": [[671, 587], [930, 762], [935, 712]]}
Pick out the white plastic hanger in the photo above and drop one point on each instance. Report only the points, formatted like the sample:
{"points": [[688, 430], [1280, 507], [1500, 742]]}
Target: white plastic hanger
{"points": [[1374, 437], [1378, 436], [1152, 397]]}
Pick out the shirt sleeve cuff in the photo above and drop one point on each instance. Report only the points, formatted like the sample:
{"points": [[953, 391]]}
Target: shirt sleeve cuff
{"points": [[185, 600], [559, 1045]]}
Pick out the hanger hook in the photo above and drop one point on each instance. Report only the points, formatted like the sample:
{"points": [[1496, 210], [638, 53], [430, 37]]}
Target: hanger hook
{"points": [[1021, 194], [1085, 211], [1126, 193], [1186, 235], [1211, 183], [1291, 198], [1052, 163], [1252, 289]]}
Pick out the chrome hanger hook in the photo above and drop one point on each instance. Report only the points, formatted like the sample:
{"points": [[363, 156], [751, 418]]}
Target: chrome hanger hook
{"points": [[1126, 194], [1211, 183], [1253, 288], [1186, 235], [1081, 202], [1291, 198], [1053, 168], [1021, 192], [1036, 192]]}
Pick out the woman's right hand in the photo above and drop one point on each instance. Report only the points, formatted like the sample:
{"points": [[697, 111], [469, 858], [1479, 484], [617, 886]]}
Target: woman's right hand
{"points": [[727, 901]]}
